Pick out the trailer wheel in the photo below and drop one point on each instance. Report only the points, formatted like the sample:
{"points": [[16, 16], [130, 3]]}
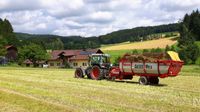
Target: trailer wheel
{"points": [[154, 80], [96, 73], [143, 80], [79, 73]]}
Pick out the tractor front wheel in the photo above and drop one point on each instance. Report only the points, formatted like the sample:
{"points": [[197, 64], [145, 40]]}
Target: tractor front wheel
{"points": [[96, 73], [79, 73], [88, 71]]}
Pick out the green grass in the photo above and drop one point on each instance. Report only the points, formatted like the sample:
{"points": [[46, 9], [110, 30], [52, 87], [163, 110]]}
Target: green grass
{"points": [[191, 70], [198, 43], [46, 90]]}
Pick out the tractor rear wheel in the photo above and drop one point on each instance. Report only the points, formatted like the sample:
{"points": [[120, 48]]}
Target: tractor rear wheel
{"points": [[96, 73], [143, 80], [79, 73]]}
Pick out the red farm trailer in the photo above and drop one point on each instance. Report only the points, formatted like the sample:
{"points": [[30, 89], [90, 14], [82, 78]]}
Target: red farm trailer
{"points": [[149, 69]]}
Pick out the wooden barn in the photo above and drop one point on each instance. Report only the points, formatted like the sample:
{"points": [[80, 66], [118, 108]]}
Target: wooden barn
{"points": [[12, 53]]}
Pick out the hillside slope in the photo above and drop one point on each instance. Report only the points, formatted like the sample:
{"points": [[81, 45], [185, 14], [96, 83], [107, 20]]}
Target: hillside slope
{"points": [[161, 43]]}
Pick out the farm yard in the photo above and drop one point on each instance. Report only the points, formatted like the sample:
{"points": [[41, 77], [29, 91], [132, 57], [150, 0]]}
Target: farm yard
{"points": [[51, 90]]}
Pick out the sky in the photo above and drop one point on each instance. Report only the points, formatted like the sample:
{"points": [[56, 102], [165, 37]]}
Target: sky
{"points": [[91, 17]]}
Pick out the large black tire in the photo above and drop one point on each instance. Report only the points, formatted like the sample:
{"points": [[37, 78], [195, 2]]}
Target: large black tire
{"points": [[154, 80], [88, 71], [79, 73], [96, 73], [143, 80]]}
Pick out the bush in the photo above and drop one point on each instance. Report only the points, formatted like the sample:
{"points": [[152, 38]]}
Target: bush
{"points": [[12, 64], [173, 48], [157, 50], [135, 51], [167, 48], [189, 54], [169, 35], [116, 62], [145, 51], [66, 65], [198, 61]]}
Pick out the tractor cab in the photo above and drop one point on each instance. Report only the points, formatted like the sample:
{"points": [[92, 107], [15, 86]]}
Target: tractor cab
{"points": [[101, 60]]}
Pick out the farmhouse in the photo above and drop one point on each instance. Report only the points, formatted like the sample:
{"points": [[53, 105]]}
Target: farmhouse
{"points": [[29, 63], [71, 58]]}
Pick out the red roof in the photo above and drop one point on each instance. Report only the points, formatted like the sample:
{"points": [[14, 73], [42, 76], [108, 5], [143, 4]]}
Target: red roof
{"points": [[27, 61], [55, 54], [79, 57]]}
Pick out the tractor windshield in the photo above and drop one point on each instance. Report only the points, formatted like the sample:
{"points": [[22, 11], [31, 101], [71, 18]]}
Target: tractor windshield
{"points": [[105, 59], [100, 59]]}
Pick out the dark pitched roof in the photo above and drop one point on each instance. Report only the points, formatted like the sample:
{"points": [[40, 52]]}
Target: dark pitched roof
{"points": [[11, 47]]}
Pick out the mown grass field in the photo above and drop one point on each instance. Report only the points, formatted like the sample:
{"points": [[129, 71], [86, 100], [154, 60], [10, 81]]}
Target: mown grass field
{"points": [[161, 43], [56, 90]]}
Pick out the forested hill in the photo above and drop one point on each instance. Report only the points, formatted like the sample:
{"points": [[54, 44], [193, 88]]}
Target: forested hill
{"points": [[135, 34], [77, 42], [59, 42]]}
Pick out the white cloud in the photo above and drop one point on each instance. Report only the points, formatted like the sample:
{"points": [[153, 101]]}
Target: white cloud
{"points": [[179, 5], [18, 5], [100, 17], [91, 17], [63, 8], [66, 31]]}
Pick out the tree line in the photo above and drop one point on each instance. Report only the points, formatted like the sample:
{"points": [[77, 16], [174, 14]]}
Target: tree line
{"points": [[136, 34], [189, 34], [6, 35], [78, 42]]}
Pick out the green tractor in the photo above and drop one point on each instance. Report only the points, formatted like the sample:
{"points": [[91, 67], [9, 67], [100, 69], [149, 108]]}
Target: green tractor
{"points": [[99, 65]]}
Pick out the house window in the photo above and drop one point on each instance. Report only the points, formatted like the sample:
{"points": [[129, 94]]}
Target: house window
{"points": [[51, 64], [58, 64], [84, 64], [75, 64]]}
